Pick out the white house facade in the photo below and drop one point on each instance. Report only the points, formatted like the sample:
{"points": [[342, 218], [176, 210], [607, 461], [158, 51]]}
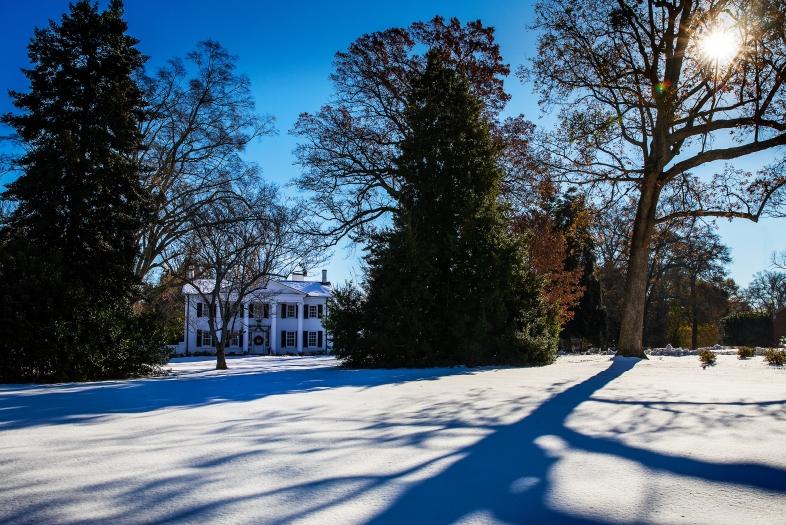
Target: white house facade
{"points": [[286, 317]]}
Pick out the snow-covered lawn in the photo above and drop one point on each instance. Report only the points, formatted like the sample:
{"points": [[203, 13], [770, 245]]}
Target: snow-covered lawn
{"points": [[288, 439]]}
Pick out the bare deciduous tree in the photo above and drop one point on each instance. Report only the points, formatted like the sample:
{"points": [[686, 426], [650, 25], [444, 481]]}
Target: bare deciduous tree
{"points": [[646, 99], [767, 291], [200, 117], [234, 246], [779, 260], [348, 147]]}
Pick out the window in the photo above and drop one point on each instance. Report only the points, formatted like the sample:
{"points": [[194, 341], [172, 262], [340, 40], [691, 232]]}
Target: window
{"points": [[312, 339], [291, 339], [202, 309], [204, 338], [234, 339], [291, 310], [312, 311]]}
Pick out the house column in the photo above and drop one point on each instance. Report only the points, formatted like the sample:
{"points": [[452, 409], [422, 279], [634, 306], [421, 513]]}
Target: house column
{"points": [[245, 326], [273, 327], [187, 327], [299, 336]]}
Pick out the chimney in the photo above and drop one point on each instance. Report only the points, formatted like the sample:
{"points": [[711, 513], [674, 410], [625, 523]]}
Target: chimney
{"points": [[324, 277], [298, 276]]}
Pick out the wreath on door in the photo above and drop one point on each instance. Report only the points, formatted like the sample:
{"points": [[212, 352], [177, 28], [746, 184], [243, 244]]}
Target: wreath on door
{"points": [[258, 340]]}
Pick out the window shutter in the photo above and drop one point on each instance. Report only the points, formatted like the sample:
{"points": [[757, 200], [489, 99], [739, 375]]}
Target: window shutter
{"points": [[283, 308], [199, 333], [199, 309], [297, 310], [319, 313], [305, 338], [266, 310], [305, 311], [283, 338], [319, 339]]}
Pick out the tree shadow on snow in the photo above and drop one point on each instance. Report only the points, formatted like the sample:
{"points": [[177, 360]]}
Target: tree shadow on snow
{"points": [[507, 474], [23, 406]]}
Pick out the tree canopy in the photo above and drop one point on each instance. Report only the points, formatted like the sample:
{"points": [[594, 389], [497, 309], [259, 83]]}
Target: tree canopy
{"points": [[449, 283], [646, 110]]}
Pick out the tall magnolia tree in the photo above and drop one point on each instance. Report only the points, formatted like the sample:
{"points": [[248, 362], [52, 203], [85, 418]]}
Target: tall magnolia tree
{"points": [[653, 97]]}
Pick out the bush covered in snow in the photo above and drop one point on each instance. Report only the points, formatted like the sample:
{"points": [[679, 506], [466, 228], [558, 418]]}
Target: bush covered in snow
{"points": [[745, 352]]}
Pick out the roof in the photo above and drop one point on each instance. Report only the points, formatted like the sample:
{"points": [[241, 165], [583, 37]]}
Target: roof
{"points": [[307, 288], [199, 285], [310, 288]]}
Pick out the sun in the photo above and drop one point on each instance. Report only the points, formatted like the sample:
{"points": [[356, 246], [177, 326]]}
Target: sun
{"points": [[720, 45]]}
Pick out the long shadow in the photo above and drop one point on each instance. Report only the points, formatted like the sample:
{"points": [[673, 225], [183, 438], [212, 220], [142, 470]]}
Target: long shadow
{"points": [[507, 475], [23, 406]]}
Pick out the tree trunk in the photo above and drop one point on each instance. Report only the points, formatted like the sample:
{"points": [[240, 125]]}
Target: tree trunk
{"points": [[694, 329], [221, 360], [633, 306]]}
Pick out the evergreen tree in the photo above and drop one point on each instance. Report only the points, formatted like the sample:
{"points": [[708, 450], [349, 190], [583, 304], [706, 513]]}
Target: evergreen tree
{"points": [[448, 283], [68, 245], [79, 195]]}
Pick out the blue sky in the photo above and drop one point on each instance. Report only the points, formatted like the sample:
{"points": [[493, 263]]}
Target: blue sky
{"points": [[287, 48]]}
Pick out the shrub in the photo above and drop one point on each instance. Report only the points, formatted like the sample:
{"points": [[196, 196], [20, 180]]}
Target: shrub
{"points": [[92, 343], [707, 358], [775, 357], [346, 320], [745, 352]]}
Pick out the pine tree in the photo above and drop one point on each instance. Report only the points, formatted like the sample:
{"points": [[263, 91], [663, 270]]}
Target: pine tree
{"points": [[448, 283], [79, 195], [68, 245]]}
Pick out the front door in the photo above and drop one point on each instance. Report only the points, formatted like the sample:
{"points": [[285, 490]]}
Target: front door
{"points": [[260, 341]]}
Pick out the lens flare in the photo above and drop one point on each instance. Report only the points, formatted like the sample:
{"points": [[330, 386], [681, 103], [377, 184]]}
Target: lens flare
{"points": [[720, 45]]}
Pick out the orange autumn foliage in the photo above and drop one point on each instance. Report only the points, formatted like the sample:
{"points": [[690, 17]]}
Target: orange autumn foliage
{"points": [[548, 251]]}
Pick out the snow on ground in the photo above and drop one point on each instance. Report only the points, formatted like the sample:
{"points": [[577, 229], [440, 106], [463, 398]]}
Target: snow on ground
{"points": [[298, 440]]}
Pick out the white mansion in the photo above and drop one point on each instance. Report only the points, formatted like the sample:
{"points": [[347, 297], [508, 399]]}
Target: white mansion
{"points": [[283, 318]]}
